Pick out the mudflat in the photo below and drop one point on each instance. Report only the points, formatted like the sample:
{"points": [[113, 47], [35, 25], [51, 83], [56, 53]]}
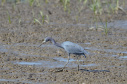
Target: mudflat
{"points": [[23, 62]]}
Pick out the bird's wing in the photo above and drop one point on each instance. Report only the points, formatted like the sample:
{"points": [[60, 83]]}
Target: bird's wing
{"points": [[72, 47]]}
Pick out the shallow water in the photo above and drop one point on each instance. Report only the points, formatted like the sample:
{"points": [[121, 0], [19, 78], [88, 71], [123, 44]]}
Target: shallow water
{"points": [[52, 64], [28, 63], [114, 55], [43, 63], [7, 48], [65, 59], [55, 62], [118, 24], [19, 80], [3, 49], [123, 57], [88, 65]]}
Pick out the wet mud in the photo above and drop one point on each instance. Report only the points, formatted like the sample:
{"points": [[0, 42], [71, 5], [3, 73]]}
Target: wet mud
{"points": [[22, 61]]}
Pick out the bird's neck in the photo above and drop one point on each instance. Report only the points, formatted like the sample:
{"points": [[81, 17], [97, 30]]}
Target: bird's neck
{"points": [[56, 44], [53, 41]]}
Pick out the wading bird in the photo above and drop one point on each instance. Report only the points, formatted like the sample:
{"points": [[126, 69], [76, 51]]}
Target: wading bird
{"points": [[69, 47]]}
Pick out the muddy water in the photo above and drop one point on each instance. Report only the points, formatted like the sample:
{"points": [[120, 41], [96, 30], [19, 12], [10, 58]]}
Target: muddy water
{"points": [[23, 62]]}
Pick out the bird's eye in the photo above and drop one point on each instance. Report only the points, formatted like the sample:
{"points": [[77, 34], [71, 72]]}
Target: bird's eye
{"points": [[47, 40]]}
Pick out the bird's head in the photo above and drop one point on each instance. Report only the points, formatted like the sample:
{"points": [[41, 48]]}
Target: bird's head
{"points": [[46, 40]]}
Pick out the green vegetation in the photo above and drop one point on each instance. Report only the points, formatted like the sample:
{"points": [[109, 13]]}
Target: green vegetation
{"points": [[47, 17], [98, 7], [106, 28], [31, 2], [19, 21], [46, 1], [117, 5], [42, 16], [2, 2], [9, 18], [36, 20], [66, 4]]}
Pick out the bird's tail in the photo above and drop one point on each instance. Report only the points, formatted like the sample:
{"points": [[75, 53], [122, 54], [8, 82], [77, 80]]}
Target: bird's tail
{"points": [[85, 52]]}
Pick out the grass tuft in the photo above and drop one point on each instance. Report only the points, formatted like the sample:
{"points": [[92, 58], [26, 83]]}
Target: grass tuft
{"points": [[31, 2], [9, 18]]}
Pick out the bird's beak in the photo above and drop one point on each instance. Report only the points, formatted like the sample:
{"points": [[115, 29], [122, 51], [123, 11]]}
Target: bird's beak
{"points": [[42, 43]]}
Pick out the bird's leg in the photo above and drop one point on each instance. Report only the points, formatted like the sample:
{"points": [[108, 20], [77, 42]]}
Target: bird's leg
{"points": [[67, 60], [85, 59], [78, 62], [84, 55]]}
